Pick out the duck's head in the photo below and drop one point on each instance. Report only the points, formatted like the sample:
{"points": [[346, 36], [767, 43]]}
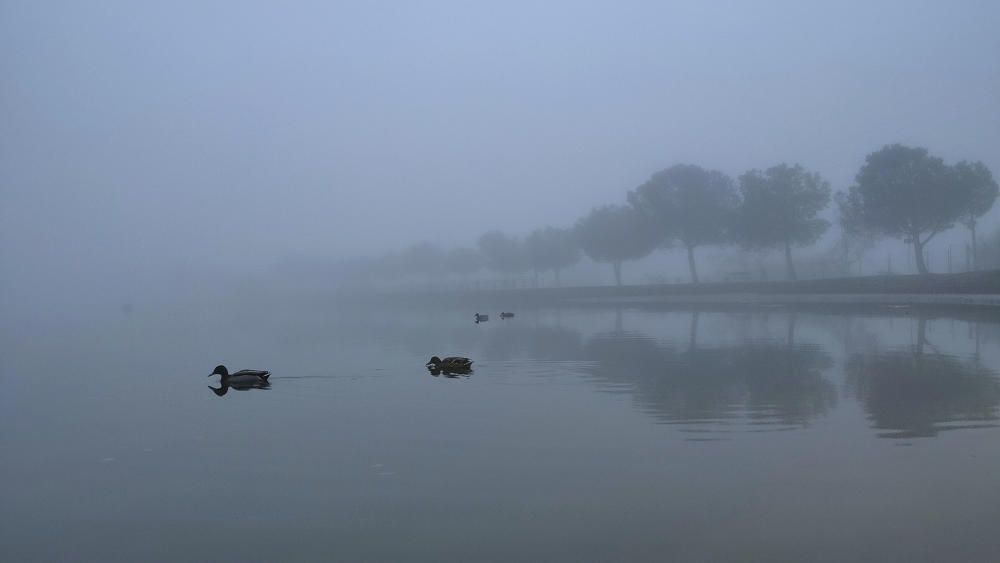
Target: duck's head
{"points": [[434, 361], [220, 370]]}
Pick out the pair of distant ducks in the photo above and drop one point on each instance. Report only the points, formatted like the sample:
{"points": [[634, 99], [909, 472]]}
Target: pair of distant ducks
{"points": [[480, 318], [257, 379]]}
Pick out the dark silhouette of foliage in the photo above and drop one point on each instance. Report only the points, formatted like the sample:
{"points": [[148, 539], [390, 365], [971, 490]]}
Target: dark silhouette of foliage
{"points": [[616, 233], [464, 261], [689, 204], [504, 255], [779, 209], [976, 179], [904, 192], [423, 258], [551, 249]]}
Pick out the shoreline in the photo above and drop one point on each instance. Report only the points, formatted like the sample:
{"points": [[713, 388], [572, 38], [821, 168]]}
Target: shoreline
{"points": [[969, 289], [852, 299]]}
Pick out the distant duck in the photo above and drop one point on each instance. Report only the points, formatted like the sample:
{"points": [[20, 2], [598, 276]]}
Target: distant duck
{"points": [[506, 315], [451, 363], [242, 377], [481, 318]]}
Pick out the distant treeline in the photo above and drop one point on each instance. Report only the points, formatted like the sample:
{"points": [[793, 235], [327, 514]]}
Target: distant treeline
{"points": [[900, 192]]}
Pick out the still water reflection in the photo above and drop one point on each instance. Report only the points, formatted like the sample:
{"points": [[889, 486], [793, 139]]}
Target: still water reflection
{"points": [[755, 384], [224, 387], [584, 434]]}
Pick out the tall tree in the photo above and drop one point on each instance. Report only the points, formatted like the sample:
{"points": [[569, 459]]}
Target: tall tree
{"points": [[976, 179], [551, 249], [616, 233], [779, 209], [904, 192], [503, 254], [690, 204]]}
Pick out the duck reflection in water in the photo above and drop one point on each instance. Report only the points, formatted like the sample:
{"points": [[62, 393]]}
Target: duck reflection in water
{"points": [[225, 387], [450, 373]]}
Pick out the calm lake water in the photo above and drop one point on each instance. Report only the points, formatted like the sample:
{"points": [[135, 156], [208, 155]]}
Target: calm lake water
{"points": [[589, 434]]}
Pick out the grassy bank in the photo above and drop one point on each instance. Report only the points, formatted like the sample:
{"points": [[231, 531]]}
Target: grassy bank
{"points": [[865, 288]]}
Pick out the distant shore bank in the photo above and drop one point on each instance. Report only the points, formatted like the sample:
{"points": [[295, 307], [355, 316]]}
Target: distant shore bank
{"points": [[975, 289]]}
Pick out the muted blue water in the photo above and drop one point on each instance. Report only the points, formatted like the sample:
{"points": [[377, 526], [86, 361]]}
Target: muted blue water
{"points": [[582, 435]]}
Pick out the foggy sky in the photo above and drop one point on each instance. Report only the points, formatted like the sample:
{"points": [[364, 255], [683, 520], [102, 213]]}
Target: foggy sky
{"points": [[141, 141]]}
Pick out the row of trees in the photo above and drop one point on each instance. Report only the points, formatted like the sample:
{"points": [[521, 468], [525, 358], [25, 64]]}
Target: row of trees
{"points": [[693, 207], [900, 192], [546, 249]]}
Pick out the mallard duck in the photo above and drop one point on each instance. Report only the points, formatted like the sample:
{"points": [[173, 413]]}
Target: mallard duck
{"points": [[451, 363], [506, 315], [244, 377]]}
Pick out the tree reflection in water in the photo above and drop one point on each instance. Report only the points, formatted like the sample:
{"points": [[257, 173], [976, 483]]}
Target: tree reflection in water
{"points": [[916, 393], [757, 382], [704, 383]]}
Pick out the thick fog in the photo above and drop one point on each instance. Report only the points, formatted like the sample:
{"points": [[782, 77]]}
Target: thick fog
{"points": [[147, 149]]}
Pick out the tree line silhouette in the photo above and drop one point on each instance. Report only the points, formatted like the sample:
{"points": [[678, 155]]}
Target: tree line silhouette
{"points": [[899, 192]]}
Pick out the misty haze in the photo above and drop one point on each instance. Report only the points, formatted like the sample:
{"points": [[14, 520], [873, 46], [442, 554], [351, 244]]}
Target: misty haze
{"points": [[569, 281]]}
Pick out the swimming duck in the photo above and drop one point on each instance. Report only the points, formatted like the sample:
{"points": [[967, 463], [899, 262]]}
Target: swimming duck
{"points": [[451, 363], [244, 377]]}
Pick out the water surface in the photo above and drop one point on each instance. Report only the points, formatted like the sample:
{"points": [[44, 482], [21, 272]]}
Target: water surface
{"points": [[589, 434]]}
